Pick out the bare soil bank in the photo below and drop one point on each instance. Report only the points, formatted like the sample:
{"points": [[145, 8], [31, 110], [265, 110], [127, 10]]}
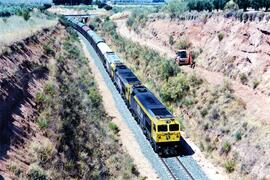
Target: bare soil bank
{"points": [[22, 75]]}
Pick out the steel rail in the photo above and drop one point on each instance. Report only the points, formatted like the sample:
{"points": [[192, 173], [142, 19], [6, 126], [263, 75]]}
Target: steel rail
{"points": [[184, 167], [169, 169]]}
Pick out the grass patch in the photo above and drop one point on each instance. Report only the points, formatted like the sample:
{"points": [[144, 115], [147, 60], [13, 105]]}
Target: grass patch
{"points": [[11, 25], [243, 78], [42, 123], [40, 97], [226, 148], [43, 151], [114, 128], [36, 172], [14, 168], [255, 84], [229, 166], [72, 114]]}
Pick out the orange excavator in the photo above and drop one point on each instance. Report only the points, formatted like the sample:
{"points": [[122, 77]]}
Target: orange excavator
{"points": [[184, 58]]}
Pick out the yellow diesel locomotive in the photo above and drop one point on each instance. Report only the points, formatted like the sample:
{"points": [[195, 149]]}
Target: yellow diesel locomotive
{"points": [[156, 121]]}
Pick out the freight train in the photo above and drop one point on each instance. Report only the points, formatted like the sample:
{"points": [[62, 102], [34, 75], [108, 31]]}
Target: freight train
{"points": [[157, 123]]}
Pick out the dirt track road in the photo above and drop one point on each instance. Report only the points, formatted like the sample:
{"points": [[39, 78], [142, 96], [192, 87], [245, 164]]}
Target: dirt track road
{"points": [[257, 104]]}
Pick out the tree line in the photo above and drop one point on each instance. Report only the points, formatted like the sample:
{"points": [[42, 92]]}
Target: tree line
{"points": [[72, 2], [210, 5]]}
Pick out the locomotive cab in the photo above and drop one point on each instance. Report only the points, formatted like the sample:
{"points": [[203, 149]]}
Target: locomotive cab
{"points": [[166, 134], [158, 124]]}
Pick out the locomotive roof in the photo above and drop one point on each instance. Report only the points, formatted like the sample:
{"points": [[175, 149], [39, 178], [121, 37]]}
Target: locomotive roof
{"points": [[104, 48], [86, 28], [81, 24], [96, 38], [149, 101], [127, 76], [73, 20], [121, 67], [90, 32], [112, 57]]}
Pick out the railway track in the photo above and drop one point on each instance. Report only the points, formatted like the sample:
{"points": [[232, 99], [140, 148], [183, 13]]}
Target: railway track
{"points": [[189, 174], [176, 169], [167, 168]]}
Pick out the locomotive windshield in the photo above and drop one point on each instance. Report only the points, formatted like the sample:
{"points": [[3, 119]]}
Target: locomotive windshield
{"points": [[174, 127], [162, 128]]}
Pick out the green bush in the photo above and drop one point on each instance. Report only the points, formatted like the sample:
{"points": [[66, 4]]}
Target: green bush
{"points": [[214, 114], [243, 78], [243, 4], [24, 12], [194, 80], [175, 89], [171, 40], [42, 123], [26, 15], [95, 97], [137, 19], [220, 36], [195, 53], [229, 165], [219, 4], [200, 5], [238, 136], [175, 8], [231, 5], [130, 21], [49, 89], [226, 148], [42, 151], [256, 84], [14, 168], [114, 127], [36, 173], [40, 97], [48, 49], [204, 112], [168, 69], [245, 17]]}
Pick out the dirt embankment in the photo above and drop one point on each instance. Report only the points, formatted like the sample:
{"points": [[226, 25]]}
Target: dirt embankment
{"points": [[23, 74], [238, 50], [156, 35], [247, 134]]}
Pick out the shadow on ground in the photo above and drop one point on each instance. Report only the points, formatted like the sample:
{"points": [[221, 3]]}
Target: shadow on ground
{"points": [[14, 93], [185, 150]]}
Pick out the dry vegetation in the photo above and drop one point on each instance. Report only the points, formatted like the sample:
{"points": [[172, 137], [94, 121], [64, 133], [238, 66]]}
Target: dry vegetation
{"points": [[214, 118], [234, 43], [66, 133], [16, 28]]}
